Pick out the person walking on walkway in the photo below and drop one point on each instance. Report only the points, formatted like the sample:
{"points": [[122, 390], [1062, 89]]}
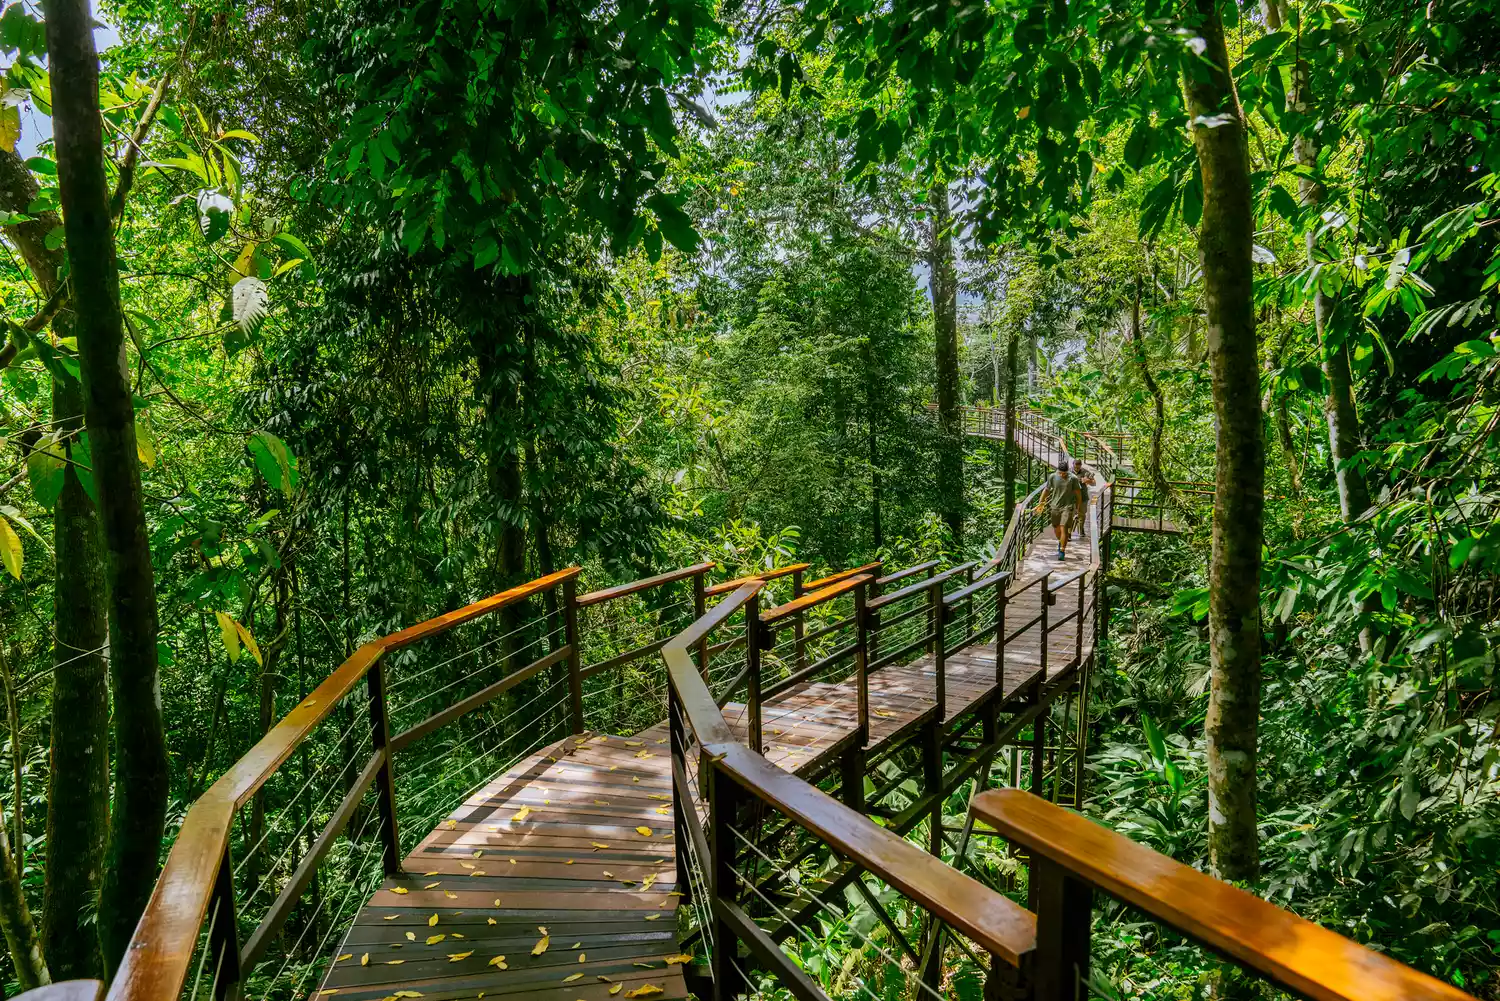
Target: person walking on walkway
{"points": [[1088, 478], [1060, 499]]}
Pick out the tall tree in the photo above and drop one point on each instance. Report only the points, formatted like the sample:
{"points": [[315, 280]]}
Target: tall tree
{"points": [[944, 281], [1226, 241], [78, 773], [141, 777]]}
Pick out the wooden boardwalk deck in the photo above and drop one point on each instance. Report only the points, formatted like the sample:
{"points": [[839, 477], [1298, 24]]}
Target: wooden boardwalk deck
{"points": [[577, 839]]}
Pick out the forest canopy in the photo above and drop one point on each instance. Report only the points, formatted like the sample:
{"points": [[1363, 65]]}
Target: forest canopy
{"points": [[325, 319]]}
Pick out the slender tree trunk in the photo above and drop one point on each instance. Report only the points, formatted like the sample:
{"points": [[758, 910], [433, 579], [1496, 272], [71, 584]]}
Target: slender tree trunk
{"points": [[1012, 376], [15, 922], [78, 775], [141, 774], [1158, 402], [944, 280], [1338, 404], [1225, 242]]}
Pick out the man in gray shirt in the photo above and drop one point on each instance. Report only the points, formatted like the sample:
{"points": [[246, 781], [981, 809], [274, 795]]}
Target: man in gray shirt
{"points": [[1060, 498]]}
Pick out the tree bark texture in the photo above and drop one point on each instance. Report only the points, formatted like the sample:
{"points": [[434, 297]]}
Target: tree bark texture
{"points": [[944, 281], [15, 922], [141, 774], [78, 775], [1225, 242], [1338, 403]]}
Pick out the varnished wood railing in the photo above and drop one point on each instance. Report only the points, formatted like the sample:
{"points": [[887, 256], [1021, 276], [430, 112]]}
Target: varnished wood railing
{"points": [[733, 778], [1072, 857]]}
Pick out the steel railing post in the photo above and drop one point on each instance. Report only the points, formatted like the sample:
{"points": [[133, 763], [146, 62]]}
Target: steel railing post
{"points": [[799, 625], [224, 941], [700, 607], [757, 637]]}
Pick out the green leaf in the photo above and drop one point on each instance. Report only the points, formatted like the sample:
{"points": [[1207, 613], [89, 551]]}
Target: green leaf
{"points": [[82, 455], [10, 549], [274, 460], [247, 303], [674, 223], [46, 467], [42, 165], [1154, 739], [214, 209]]}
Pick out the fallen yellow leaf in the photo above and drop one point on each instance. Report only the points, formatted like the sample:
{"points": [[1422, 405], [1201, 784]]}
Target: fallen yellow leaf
{"points": [[541, 946], [521, 814], [681, 957], [454, 957], [467, 865], [451, 825], [328, 990], [598, 844], [457, 934], [411, 936], [432, 921], [583, 957], [394, 962], [450, 894], [608, 874], [391, 917], [432, 873], [652, 917], [399, 889], [477, 853], [499, 961], [347, 955], [407, 994], [644, 991], [572, 977], [436, 882], [616, 988], [364, 960], [435, 939], [644, 832], [490, 920]]}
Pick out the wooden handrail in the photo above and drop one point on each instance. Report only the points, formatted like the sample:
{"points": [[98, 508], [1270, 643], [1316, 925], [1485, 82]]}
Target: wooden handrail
{"points": [[988, 918], [645, 584], [156, 962], [906, 572], [1290, 951], [920, 587], [834, 578], [723, 587], [811, 599]]}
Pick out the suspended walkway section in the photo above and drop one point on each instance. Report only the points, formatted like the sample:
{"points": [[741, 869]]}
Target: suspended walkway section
{"points": [[675, 788]]}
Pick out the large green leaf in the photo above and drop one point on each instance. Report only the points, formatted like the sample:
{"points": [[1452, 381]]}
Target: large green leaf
{"points": [[274, 460], [45, 467]]}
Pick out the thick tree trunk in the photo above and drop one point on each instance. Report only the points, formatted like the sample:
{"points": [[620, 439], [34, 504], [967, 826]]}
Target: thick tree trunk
{"points": [[78, 780], [1012, 376], [15, 922], [1225, 241], [78, 776], [141, 760], [944, 279]]}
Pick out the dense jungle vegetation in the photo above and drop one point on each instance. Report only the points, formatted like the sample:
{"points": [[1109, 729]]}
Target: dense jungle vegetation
{"points": [[324, 318]]}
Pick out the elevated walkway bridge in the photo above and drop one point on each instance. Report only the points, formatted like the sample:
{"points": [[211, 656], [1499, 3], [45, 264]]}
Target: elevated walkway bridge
{"points": [[679, 787]]}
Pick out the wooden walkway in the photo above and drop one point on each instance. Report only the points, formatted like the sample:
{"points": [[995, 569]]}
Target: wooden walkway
{"points": [[565, 865]]}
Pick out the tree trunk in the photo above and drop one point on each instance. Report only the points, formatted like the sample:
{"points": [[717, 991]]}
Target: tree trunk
{"points": [[15, 922], [141, 760], [1338, 404], [78, 774], [1225, 242], [1012, 376], [1158, 402], [944, 281]]}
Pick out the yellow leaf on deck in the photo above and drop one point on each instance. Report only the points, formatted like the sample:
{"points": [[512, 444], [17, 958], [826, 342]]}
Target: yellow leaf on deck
{"points": [[661, 811], [467, 865], [435, 939], [457, 934], [435, 883], [407, 994], [541, 945], [392, 917], [348, 955], [450, 894], [399, 889], [608, 874], [454, 957], [644, 832], [499, 961], [512, 861], [652, 917], [452, 823], [497, 901], [646, 883], [364, 960], [616, 988], [328, 990], [634, 743], [681, 957], [598, 844], [432, 921], [432, 873], [411, 936], [568, 862], [394, 962], [521, 814], [477, 872], [477, 853], [582, 956], [644, 754], [601, 802], [489, 920], [572, 977], [644, 991]]}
